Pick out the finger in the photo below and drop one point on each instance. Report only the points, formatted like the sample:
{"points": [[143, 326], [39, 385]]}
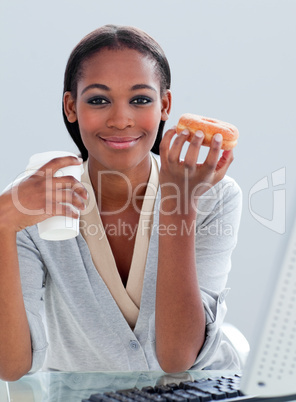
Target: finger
{"points": [[58, 163], [80, 190], [70, 197], [69, 185], [225, 161], [214, 152], [165, 143], [192, 153], [176, 148], [66, 210], [69, 182]]}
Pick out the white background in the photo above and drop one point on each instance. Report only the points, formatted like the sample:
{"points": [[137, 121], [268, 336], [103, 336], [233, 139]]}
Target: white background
{"points": [[233, 60]]}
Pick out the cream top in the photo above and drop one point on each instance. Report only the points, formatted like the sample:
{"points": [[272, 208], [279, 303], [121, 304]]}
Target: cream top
{"points": [[92, 229]]}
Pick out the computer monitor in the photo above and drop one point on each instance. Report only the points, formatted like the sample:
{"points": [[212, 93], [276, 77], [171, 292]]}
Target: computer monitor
{"points": [[271, 365]]}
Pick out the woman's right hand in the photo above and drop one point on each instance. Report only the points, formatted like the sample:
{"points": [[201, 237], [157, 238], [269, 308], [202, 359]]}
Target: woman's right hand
{"points": [[41, 196]]}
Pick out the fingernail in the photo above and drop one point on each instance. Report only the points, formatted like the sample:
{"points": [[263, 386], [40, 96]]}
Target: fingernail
{"points": [[218, 137], [80, 160], [199, 134], [85, 196], [185, 132]]}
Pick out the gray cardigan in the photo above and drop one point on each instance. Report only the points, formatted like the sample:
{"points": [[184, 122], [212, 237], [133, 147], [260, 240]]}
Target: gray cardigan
{"points": [[75, 323]]}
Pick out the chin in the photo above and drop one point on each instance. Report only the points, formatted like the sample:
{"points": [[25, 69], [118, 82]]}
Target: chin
{"points": [[119, 161]]}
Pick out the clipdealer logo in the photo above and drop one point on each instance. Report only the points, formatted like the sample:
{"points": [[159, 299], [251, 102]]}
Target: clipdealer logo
{"points": [[277, 223]]}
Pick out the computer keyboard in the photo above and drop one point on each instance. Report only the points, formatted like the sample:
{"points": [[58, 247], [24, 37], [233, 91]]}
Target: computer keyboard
{"points": [[225, 388], [210, 389]]}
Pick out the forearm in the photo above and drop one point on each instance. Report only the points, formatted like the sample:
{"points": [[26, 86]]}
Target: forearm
{"points": [[15, 341], [25, 205], [180, 317]]}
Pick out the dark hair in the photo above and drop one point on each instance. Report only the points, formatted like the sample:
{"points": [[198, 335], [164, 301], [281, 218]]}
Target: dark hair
{"points": [[113, 37]]}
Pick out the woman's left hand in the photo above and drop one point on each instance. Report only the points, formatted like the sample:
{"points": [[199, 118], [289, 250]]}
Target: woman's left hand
{"points": [[188, 175]]}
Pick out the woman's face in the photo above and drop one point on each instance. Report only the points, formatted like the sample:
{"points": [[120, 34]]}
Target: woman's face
{"points": [[118, 108]]}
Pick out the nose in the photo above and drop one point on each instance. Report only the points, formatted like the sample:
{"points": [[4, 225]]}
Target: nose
{"points": [[120, 118]]}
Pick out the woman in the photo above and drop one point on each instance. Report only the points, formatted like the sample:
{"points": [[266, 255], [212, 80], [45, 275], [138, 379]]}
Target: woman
{"points": [[149, 293]]}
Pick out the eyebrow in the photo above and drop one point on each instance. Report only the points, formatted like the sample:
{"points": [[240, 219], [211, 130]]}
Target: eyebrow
{"points": [[142, 86], [99, 86], [105, 88]]}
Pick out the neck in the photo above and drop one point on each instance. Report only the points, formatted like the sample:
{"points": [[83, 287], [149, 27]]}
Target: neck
{"points": [[119, 190]]}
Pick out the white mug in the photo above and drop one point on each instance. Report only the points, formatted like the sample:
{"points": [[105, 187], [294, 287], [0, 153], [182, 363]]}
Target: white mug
{"points": [[57, 227]]}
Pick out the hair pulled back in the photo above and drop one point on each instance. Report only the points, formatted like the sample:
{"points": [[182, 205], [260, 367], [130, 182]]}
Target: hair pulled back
{"points": [[113, 37]]}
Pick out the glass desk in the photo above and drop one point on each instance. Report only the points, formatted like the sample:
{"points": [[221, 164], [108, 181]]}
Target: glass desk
{"points": [[75, 386]]}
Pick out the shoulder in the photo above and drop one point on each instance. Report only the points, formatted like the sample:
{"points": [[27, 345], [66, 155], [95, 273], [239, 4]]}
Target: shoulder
{"points": [[222, 201], [228, 188]]}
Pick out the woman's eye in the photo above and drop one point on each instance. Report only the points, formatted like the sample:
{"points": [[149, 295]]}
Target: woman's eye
{"points": [[97, 101], [141, 100]]}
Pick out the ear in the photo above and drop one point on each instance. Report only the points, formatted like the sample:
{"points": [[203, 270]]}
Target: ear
{"points": [[166, 102], [69, 107]]}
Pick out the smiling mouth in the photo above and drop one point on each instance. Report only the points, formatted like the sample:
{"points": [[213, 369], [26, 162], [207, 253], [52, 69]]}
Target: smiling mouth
{"points": [[120, 142]]}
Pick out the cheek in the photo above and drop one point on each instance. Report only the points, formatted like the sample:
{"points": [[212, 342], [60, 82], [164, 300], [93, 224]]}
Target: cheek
{"points": [[87, 121], [151, 120]]}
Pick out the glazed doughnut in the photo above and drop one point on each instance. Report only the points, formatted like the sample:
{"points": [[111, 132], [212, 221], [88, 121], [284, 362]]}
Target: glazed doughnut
{"points": [[209, 127]]}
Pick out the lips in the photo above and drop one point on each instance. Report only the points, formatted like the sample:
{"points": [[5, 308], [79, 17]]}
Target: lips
{"points": [[120, 142]]}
